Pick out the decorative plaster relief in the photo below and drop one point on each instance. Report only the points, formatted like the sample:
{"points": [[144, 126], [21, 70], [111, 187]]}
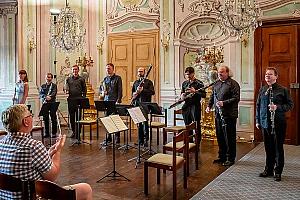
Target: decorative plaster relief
{"points": [[203, 31], [124, 12], [296, 13], [5, 10], [203, 7]]}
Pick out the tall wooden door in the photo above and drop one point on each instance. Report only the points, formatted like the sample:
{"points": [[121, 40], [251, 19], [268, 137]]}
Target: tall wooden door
{"points": [[278, 49], [130, 51]]}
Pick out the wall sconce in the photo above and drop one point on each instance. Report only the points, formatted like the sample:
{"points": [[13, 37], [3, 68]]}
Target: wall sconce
{"points": [[165, 36], [100, 39], [31, 37]]}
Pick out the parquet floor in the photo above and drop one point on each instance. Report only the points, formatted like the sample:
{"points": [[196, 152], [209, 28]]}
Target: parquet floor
{"points": [[88, 163]]}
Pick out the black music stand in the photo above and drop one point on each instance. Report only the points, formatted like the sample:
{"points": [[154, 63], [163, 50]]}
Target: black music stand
{"points": [[109, 107], [114, 174], [45, 110], [153, 109], [81, 104], [138, 117], [121, 110]]}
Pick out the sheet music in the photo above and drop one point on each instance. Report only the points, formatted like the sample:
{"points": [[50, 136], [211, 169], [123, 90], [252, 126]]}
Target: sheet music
{"points": [[113, 124], [136, 115], [119, 122]]}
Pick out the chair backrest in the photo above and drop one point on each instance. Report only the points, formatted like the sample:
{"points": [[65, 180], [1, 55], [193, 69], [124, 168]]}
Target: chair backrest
{"points": [[177, 115], [48, 190], [180, 137], [193, 126], [164, 114], [12, 184]]}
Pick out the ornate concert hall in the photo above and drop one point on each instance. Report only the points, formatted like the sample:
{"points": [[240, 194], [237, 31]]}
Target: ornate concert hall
{"points": [[205, 90]]}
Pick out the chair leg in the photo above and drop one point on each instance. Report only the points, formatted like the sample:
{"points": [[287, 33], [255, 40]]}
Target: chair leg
{"points": [[188, 164], [90, 132], [158, 175], [82, 131], [174, 185], [184, 176], [196, 159], [157, 136], [145, 178]]}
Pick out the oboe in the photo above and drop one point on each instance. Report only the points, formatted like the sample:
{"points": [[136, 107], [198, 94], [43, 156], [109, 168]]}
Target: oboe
{"points": [[272, 112]]}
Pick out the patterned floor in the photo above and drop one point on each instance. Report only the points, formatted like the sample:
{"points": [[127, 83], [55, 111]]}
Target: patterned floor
{"points": [[241, 180]]}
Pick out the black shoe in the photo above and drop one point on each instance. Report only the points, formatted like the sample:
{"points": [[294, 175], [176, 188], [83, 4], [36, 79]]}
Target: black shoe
{"points": [[266, 174], [277, 177], [228, 163], [218, 161]]}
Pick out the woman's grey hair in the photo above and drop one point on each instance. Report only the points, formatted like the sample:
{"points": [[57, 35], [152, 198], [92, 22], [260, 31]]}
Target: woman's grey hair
{"points": [[12, 117]]}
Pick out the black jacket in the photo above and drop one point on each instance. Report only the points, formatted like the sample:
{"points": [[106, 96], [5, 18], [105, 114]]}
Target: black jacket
{"points": [[227, 91], [113, 86], [147, 92], [281, 98]]}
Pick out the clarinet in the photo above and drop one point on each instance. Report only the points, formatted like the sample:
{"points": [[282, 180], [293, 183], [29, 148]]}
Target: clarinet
{"points": [[49, 91], [272, 112]]}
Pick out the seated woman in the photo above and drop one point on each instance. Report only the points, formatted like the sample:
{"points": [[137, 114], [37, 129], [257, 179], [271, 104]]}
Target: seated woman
{"points": [[28, 159]]}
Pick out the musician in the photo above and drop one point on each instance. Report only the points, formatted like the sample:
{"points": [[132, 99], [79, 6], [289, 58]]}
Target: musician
{"points": [[76, 88], [191, 109], [225, 97], [48, 95], [142, 91], [276, 98], [113, 92]]}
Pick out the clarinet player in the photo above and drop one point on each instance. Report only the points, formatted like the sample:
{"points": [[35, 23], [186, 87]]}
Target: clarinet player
{"points": [[272, 103], [48, 94], [225, 98]]}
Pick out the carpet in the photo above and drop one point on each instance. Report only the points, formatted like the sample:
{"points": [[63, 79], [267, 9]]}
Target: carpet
{"points": [[241, 181]]}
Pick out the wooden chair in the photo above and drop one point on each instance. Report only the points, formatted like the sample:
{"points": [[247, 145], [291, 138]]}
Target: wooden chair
{"points": [[157, 124], [3, 132], [85, 121], [12, 184], [48, 190], [168, 162], [191, 147], [174, 129]]}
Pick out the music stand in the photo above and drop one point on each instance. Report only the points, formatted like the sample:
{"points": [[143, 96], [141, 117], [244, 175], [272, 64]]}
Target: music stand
{"points": [[81, 104], [45, 110], [121, 110], [113, 125], [109, 107], [153, 109], [138, 117]]}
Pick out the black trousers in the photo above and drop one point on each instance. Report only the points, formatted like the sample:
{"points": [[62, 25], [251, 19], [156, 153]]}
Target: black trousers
{"points": [[226, 138], [53, 120], [274, 147], [191, 114], [143, 132], [73, 112]]}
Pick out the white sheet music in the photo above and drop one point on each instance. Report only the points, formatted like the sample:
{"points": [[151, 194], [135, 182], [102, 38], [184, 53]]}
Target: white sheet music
{"points": [[136, 115], [113, 124]]}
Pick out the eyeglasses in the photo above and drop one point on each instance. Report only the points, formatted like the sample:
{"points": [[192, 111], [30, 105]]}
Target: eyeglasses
{"points": [[28, 116]]}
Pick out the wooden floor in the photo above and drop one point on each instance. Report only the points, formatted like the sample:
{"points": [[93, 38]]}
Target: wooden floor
{"points": [[88, 163]]}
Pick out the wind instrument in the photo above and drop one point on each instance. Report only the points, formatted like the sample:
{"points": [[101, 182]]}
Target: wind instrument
{"points": [[190, 95]]}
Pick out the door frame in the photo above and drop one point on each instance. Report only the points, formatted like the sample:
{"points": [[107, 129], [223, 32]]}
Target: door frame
{"points": [[258, 46]]}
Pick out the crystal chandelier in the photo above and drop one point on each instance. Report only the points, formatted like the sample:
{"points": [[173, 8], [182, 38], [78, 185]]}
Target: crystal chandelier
{"points": [[239, 17], [66, 31]]}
